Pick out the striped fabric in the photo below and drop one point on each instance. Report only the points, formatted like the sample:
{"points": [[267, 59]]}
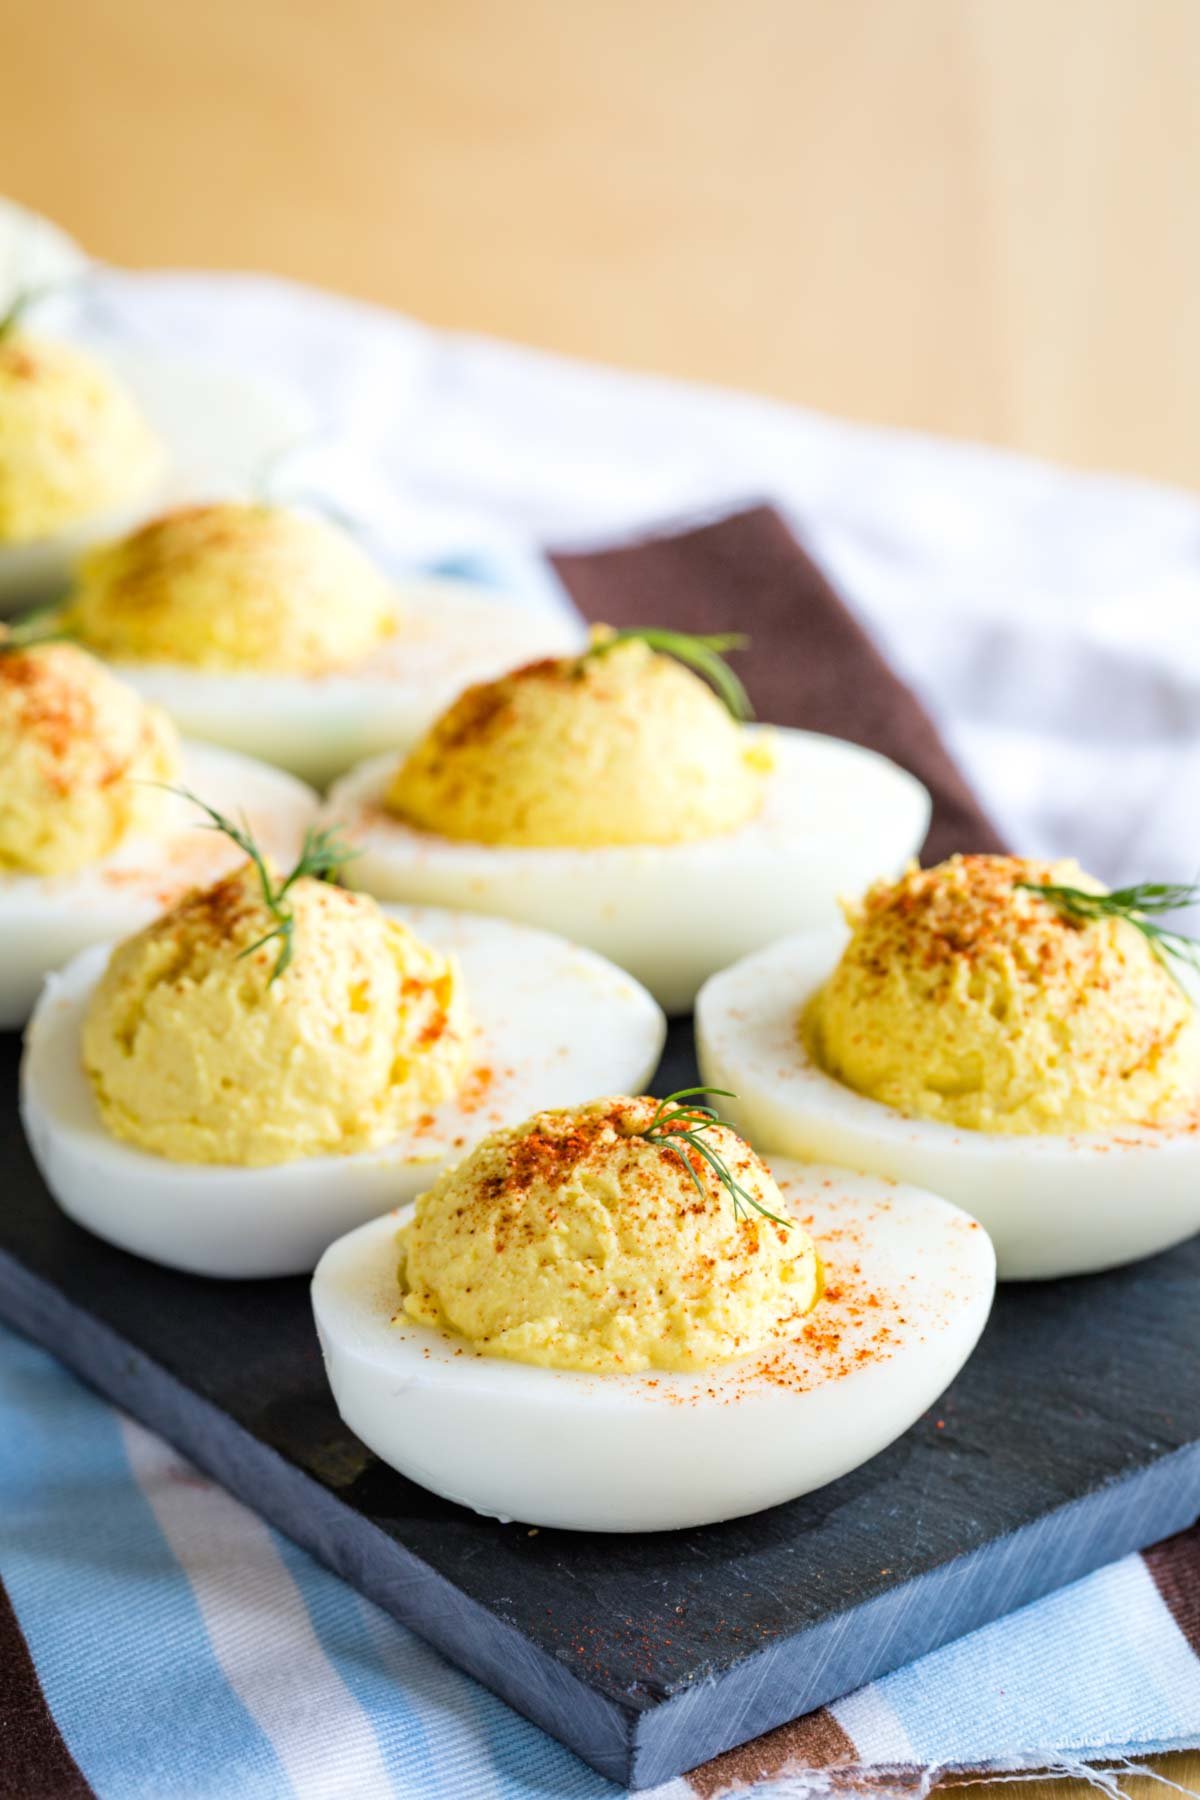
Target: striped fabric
{"points": [[158, 1640]]}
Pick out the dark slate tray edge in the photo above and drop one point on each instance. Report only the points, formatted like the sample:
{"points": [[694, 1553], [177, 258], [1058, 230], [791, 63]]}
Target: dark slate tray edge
{"points": [[494, 1652], [638, 1748], [894, 1628]]}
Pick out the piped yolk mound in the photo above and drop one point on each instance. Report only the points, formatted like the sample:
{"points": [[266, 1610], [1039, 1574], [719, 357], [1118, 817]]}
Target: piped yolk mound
{"points": [[194, 1053], [234, 586], [77, 748], [621, 747], [72, 442], [964, 998], [572, 1242]]}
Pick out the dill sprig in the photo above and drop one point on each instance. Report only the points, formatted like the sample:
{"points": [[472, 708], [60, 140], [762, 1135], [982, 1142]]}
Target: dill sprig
{"points": [[683, 1119], [1140, 906], [26, 297], [45, 625], [706, 655], [322, 855], [16, 309]]}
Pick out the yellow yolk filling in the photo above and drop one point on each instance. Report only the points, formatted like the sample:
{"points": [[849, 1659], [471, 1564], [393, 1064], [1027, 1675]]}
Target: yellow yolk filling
{"points": [[77, 750], [233, 586], [72, 442], [621, 747], [964, 998], [575, 1243], [196, 1054]]}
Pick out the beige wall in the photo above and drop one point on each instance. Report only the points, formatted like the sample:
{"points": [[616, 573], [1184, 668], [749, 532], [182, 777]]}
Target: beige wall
{"points": [[977, 216]]}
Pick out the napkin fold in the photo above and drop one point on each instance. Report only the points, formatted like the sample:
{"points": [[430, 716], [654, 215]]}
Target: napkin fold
{"points": [[808, 663]]}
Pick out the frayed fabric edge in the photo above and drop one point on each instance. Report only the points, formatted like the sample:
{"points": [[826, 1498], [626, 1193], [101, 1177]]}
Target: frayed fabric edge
{"points": [[1103, 1769]]}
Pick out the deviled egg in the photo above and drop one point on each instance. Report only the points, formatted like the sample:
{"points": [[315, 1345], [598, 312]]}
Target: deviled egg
{"points": [[616, 1317], [617, 798], [1000, 1030], [91, 846], [77, 460], [265, 628], [277, 1059]]}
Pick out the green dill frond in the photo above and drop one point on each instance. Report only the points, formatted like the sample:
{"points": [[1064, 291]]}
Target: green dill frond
{"points": [[322, 856], [682, 1119], [26, 297], [1140, 905], [706, 655], [45, 625]]}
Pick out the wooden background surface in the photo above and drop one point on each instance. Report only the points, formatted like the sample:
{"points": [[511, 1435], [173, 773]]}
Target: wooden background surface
{"points": [[977, 217]]}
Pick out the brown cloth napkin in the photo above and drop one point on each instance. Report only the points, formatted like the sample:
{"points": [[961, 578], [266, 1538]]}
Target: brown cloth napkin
{"points": [[809, 662]]}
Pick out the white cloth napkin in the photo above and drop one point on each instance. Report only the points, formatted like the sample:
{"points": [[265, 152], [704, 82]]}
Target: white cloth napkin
{"points": [[1049, 619]]}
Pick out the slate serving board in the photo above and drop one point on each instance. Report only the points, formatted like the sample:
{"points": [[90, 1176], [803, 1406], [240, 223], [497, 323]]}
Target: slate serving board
{"points": [[1072, 1437]]}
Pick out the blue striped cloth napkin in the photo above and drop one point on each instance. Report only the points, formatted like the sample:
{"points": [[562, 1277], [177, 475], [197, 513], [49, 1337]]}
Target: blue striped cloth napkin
{"points": [[158, 1640]]}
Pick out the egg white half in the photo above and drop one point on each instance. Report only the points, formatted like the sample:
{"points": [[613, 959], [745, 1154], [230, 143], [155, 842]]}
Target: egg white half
{"points": [[449, 635], [909, 1285], [1053, 1205], [47, 919], [557, 1026], [833, 816]]}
